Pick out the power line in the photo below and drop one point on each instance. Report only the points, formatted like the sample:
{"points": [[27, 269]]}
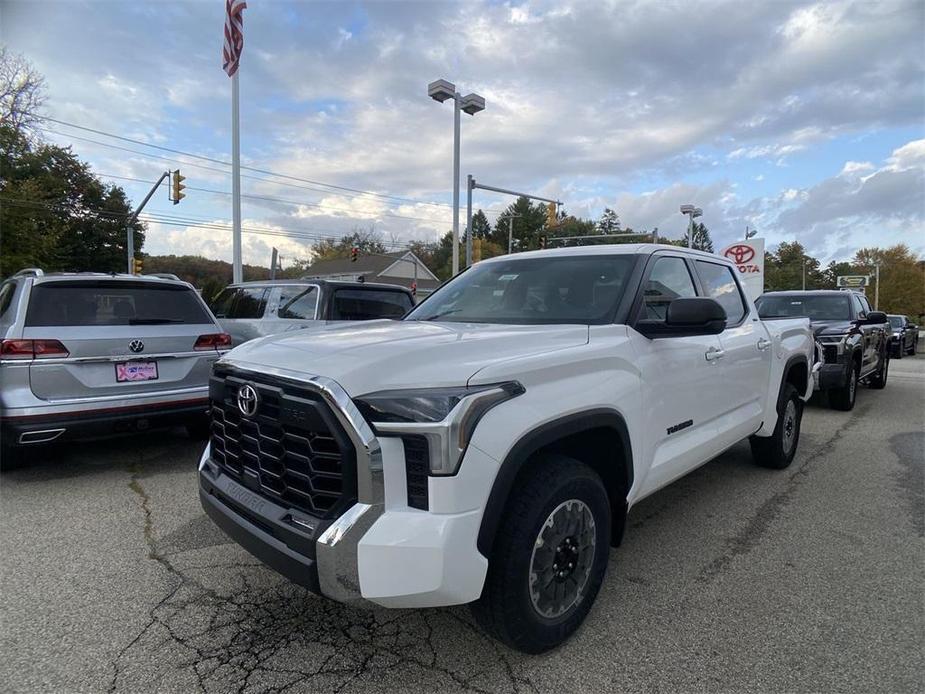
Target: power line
{"points": [[225, 163]]}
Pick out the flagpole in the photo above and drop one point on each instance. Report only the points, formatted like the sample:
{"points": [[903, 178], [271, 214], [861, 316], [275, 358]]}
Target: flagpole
{"points": [[237, 273]]}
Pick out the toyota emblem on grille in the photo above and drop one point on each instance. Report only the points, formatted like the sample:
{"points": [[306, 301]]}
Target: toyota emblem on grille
{"points": [[247, 400], [136, 346]]}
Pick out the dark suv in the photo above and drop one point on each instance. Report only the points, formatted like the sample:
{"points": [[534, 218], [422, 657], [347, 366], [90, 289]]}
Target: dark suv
{"points": [[905, 338], [854, 339]]}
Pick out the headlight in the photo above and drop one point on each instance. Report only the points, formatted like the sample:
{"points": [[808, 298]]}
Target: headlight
{"points": [[446, 417], [837, 340]]}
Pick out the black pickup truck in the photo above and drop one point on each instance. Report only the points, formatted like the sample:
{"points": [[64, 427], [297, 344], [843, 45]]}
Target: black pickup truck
{"points": [[854, 339]]}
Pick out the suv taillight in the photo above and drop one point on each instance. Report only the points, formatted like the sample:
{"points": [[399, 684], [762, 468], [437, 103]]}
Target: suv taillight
{"points": [[32, 349], [213, 341]]}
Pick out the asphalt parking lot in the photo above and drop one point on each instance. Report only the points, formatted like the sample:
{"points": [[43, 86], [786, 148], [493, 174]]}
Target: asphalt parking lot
{"points": [[733, 579]]}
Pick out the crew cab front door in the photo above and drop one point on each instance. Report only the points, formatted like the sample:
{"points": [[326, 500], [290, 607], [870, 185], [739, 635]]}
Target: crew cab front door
{"points": [[682, 395]]}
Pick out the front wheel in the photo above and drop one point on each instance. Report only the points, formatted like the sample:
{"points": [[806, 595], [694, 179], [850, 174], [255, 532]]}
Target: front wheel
{"points": [[549, 556], [777, 450], [843, 398]]}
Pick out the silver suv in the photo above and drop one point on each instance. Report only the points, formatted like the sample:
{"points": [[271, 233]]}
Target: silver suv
{"points": [[89, 354]]}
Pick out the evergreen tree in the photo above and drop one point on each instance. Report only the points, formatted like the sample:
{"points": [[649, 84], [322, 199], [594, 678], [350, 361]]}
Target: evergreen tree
{"points": [[609, 222]]}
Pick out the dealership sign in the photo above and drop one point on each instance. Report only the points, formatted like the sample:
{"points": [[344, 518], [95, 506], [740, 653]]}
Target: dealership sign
{"points": [[748, 257], [852, 281]]}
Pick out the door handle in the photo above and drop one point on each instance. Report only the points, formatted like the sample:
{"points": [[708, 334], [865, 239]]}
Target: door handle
{"points": [[713, 354], [763, 344]]}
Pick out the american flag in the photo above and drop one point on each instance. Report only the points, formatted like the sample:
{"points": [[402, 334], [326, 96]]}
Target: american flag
{"points": [[234, 35]]}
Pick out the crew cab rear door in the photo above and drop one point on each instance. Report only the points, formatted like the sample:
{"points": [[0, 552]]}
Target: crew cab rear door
{"points": [[745, 363]]}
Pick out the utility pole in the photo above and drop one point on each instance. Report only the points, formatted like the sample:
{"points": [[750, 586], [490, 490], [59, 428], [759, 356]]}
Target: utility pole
{"points": [[510, 230], [469, 182], [274, 257], [130, 222], [877, 289]]}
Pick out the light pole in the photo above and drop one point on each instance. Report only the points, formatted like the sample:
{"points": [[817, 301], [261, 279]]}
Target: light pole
{"points": [[806, 262], [441, 90], [750, 232], [510, 230], [877, 289], [691, 212]]}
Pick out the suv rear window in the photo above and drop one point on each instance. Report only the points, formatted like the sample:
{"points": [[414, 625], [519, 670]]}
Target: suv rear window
{"points": [[240, 302], [367, 304], [113, 303]]}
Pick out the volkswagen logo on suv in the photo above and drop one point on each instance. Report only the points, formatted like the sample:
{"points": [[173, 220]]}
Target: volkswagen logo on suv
{"points": [[248, 400], [136, 346]]}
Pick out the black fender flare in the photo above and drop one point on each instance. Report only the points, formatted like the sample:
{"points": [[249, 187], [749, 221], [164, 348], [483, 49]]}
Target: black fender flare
{"points": [[538, 438], [788, 367]]}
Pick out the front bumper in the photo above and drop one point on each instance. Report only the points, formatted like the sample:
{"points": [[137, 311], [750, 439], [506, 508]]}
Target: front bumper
{"points": [[380, 550], [830, 376]]}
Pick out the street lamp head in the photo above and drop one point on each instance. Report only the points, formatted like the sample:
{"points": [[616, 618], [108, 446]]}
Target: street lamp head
{"points": [[749, 233], [697, 212], [473, 103], [441, 90], [687, 209]]}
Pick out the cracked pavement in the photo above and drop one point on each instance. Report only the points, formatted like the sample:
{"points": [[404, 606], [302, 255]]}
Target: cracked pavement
{"points": [[733, 578]]}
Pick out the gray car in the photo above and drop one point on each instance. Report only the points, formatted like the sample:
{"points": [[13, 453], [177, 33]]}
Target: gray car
{"points": [[254, 309], [89, 354]]}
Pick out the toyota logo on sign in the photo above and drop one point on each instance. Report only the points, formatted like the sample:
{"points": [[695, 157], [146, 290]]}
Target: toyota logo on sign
{"points": [[247, 400], [136, 346], [740, 253]]}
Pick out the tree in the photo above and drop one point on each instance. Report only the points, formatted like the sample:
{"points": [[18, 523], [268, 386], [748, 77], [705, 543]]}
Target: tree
{"points": [[481, 229], [609, 222], [55, 213], [22, 92], [902, 279], [528, 226], [368, 241], [701, 238], [784, 269]]}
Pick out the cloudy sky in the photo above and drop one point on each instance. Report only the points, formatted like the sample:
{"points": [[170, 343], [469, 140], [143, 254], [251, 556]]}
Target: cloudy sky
{"points": [[803, 120]]}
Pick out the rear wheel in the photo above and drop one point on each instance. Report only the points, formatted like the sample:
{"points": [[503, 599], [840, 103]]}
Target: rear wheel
{"points": [[912, 347], [777, 450], [549, 557], [843, 398]]}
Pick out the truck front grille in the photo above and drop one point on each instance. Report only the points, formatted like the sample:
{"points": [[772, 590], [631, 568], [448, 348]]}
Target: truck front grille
{"points": [[292, 450]]}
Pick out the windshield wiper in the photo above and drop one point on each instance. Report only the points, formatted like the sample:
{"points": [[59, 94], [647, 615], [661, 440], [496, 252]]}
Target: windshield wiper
{"points": [[152, 321]]}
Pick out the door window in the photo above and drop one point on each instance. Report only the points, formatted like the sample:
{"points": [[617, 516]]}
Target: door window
{"points": [[720, 283], [241, 302], [297, 302], [668, 281], [362, 304], [858, 306]]}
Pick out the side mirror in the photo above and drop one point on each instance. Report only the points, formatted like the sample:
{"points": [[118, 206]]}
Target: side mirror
{"points": [[876, 317], [686, 317]]}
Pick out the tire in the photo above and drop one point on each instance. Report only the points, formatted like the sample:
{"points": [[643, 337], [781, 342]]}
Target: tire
{"points": [[199, 428], [524, 614], [900, 351], [844, 398], [778, 450], [878, 380], [912, 348]]}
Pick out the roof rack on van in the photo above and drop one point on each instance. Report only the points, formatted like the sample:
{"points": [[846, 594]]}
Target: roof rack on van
{"points": [[163, 275], [30, 272]]}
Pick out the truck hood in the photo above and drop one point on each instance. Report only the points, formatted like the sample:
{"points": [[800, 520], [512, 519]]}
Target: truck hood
{"points": [[831, 327], [383, 355]]}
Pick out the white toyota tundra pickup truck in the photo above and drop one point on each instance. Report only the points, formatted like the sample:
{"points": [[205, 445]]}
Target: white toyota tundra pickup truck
{"points": [[487, 447]]}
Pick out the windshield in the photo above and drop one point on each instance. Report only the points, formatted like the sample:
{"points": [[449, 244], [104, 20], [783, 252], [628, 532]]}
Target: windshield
{"points": [[550, 290], [816, 308], [896, 321]]}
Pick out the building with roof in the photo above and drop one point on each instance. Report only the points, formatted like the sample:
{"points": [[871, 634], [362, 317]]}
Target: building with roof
{"points": [[390, 268]]}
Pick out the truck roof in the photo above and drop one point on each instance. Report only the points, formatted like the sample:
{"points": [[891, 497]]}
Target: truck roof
{"points": [[610, 249]]}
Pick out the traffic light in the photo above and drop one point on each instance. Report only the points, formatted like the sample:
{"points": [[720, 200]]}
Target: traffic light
{"points": [[551, 220], [414, 289], [136, 266], [543, 241], [354, 254], [176, 187]]}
